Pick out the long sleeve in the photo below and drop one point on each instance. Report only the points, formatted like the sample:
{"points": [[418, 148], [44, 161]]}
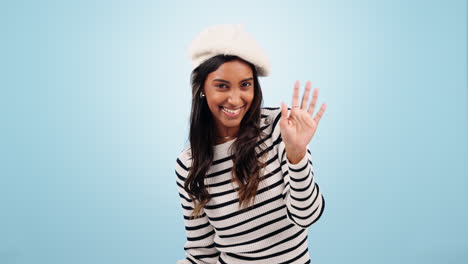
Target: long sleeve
{"points": [[199, 246], [302, 196]]}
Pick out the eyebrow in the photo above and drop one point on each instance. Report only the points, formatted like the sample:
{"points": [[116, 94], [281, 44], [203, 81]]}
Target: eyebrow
{"points": [[224, 81]]}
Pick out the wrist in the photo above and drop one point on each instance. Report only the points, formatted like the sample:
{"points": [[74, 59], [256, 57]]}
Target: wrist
{"points": [[295, 156]]}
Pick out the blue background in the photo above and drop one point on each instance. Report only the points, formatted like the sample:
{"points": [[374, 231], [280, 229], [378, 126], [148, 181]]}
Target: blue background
{"points": [[94, 108]]}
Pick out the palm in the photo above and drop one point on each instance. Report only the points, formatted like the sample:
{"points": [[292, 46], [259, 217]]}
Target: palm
{"points": [[299, 127]]}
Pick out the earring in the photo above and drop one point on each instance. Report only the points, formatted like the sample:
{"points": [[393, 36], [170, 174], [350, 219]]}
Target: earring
{"points": [[202, 95]]}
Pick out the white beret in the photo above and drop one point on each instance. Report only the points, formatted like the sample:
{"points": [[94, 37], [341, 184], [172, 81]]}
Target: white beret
{"points": [[228, 39]]}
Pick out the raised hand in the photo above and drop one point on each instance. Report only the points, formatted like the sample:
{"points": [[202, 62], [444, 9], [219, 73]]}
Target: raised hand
{"points": [[299, 127]]}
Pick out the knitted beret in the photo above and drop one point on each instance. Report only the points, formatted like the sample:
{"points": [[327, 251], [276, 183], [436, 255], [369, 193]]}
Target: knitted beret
{"points": [[228, 39]]}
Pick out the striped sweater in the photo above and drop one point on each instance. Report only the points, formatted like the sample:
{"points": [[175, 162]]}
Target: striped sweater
{"points": [[274, 228]]}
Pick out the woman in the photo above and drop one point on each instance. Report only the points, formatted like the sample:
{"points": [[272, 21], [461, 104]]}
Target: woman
{"points": [[246, 180]]}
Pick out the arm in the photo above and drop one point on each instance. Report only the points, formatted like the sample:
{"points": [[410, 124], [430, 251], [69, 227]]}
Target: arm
{"points": [[302, 196], [304, 201], [199, 246]]}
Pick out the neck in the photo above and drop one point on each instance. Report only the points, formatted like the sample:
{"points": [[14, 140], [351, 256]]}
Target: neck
{"points": [[226, 137], [220, 140], [227, 132], [224, 134]]}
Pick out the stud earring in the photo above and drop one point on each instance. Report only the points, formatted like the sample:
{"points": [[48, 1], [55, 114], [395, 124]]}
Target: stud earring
{"points": [[202, 95]]}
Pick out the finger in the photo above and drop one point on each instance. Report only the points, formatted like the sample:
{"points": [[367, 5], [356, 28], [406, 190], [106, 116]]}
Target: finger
{"points": [[320, 113], [305, 97], [295, 100], [313, 102], [284, 111]]}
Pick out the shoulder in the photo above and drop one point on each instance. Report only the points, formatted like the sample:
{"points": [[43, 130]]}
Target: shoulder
{"points": [[269, 115], [270, 120], [270, 111], [184, 159]]}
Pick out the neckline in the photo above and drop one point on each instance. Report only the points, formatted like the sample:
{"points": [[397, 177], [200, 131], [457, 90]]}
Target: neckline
{"points": [[224, 146]]}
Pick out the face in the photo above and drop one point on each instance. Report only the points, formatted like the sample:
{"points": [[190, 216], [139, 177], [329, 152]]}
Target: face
{"points": [[229, 93]]}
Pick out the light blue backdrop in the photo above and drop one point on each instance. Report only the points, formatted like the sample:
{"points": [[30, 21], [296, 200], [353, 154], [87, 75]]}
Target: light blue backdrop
{"points": [[94, 108]]}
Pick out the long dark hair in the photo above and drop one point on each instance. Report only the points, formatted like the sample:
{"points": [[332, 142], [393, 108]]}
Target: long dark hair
{"points": [[246, 166]]}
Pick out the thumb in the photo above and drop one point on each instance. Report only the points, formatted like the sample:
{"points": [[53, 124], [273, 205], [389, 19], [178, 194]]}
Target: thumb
{"points": [[284, 112]]}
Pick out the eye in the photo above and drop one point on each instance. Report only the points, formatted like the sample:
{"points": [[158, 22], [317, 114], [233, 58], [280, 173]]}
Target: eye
{"points": [[247, 84], [221, 85]]}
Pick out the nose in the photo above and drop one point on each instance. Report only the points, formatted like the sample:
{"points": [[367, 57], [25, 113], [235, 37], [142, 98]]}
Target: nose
{"points": [[235, 97]]}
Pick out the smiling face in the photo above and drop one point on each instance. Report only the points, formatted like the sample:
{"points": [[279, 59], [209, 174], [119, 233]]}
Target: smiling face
{"points": [[229, 93]]}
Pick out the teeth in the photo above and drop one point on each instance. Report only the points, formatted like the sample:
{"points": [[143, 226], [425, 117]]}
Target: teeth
{"points": [[231, 111]]}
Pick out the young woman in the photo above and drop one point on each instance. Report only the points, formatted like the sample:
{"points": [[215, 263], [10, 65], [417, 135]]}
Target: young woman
{"points": [[245, 181]]}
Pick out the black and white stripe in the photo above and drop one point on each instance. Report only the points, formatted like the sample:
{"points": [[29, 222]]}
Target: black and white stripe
{"points": [[274, 228]]}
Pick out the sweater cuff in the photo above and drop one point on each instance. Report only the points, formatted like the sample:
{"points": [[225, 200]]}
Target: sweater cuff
{"points": [[302, 164]]}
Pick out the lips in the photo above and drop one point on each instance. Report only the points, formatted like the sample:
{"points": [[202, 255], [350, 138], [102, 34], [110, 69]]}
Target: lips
{"points": [[230, 112]]}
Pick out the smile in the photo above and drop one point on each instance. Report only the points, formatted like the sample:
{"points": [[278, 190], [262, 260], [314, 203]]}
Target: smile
{"points": [[232, 112]]}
